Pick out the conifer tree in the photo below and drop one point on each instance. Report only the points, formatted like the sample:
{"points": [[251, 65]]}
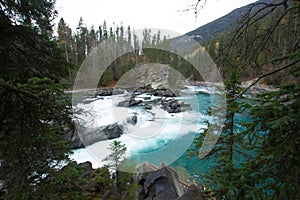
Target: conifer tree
{"points": [[35, 115], [116, 157]]}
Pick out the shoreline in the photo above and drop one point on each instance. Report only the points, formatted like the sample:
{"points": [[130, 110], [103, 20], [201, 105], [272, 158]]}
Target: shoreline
{"points": [[255, 89], [110, 90]]}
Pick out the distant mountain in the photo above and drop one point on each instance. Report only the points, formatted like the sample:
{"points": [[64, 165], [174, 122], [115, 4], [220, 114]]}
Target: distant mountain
{"points": [[214, 28]]}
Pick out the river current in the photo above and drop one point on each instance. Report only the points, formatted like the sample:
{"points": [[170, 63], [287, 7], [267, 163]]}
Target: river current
{"points": [[157, 137]]}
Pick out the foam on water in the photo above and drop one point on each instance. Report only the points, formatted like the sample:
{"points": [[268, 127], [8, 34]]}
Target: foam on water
{"points": [[160, 132], [157, 137], [101, 112], [204, 89]]}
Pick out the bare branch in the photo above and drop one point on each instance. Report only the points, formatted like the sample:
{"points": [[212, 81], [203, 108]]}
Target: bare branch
{"points": [[251, 18], [195, 7], [265, 75]]}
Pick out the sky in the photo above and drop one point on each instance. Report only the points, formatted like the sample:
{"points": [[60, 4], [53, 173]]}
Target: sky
{"points": [[139, 14]]}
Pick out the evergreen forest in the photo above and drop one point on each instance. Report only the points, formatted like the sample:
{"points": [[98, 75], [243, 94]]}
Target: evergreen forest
{"points": [[38, 64]]}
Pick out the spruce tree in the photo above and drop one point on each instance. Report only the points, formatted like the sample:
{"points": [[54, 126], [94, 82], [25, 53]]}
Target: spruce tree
{"points": [[35, 115], [116, 157]]}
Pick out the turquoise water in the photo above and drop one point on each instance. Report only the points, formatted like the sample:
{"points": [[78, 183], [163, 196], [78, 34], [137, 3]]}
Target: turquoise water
{"points": [[168, 145], [198, 167], [195, 166]]}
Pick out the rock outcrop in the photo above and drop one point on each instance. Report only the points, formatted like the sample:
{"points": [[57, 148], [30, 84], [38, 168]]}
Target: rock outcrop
{"points": [[164, 183], [160, 185]]}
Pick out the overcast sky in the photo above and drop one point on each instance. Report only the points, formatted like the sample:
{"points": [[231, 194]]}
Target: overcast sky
{"points": [[166, 14]]}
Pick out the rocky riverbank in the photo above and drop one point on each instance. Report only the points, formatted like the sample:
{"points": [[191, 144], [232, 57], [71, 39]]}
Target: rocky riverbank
{"points": [[252, 91], [160, 182], [146, 96]]}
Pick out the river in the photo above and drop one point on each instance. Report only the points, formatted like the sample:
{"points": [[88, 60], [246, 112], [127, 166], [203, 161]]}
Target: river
{"points": [[158, 136]]}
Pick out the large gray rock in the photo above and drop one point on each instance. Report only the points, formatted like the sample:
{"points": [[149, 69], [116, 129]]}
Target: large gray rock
{"points": [[87, 136], [128, 103], [159, 185], [132, 120], [174, 106], [163, 183]]}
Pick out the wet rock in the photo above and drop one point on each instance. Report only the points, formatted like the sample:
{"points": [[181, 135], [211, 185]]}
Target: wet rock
{"points": [[173, 106], [108, 91], [185, 107], [87, 136], [148, 107], [164, 93], [131, 102], [113, 131], [87, 101], [104, 92], [147, 98], [132, 120]]}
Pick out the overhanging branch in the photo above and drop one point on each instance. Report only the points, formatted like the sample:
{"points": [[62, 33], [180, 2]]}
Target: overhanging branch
{"points": [[265, 75]]}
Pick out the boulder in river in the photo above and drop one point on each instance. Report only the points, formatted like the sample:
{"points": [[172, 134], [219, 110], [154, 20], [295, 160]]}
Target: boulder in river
{"points": [[164, 93], [148, 107], [132, 120], [87, 136], [174, 106], [131, 102]]}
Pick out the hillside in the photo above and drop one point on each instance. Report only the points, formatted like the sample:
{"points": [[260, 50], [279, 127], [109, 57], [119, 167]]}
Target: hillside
{"points": [[214, 28]]}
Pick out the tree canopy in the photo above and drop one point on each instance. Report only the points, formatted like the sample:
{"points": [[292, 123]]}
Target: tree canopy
{"points": [[35, 115]]}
